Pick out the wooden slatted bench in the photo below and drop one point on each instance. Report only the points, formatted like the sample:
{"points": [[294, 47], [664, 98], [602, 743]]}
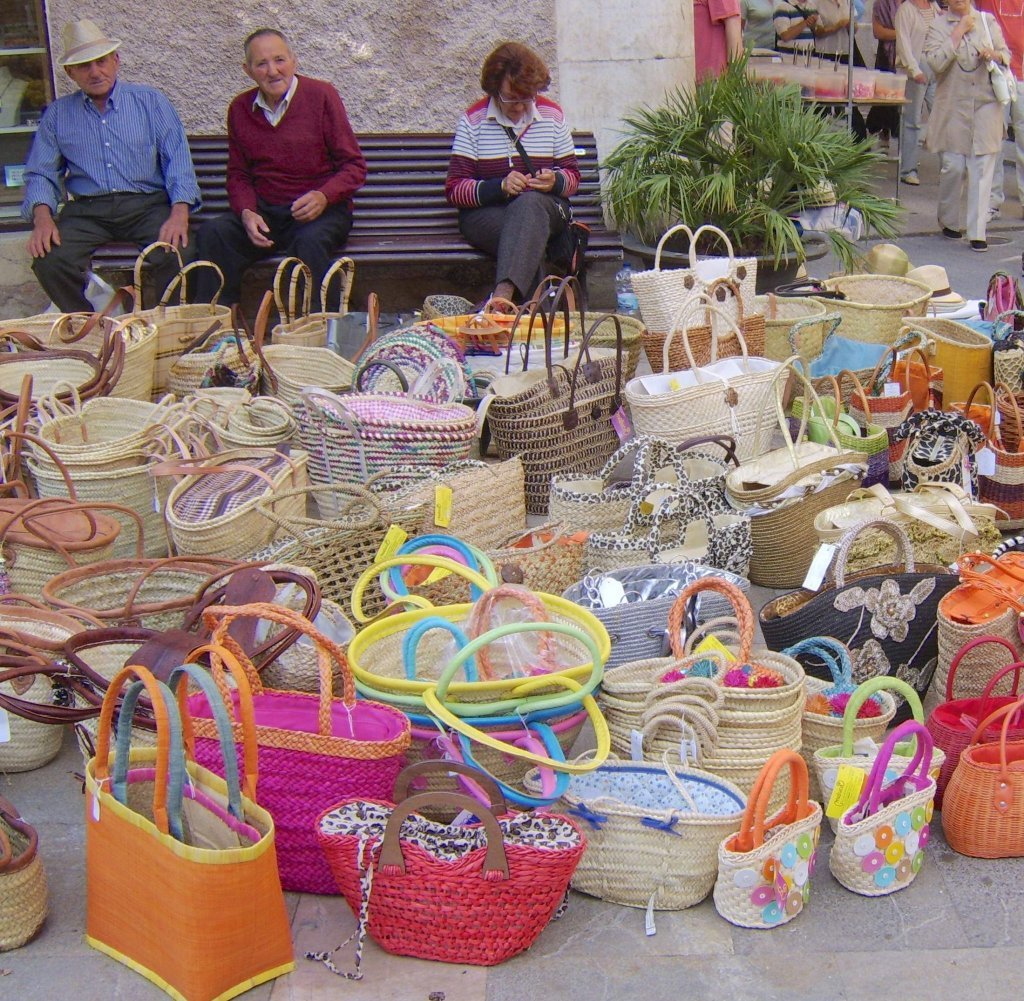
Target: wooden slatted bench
{"points": [[405, 237]]}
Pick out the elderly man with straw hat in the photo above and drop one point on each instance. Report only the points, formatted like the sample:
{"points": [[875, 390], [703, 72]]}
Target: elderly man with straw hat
{"points": [[116, 155]]}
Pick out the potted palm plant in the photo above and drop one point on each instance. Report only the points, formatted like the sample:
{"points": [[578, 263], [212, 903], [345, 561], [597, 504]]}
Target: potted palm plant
{"points": [[745, 155]]}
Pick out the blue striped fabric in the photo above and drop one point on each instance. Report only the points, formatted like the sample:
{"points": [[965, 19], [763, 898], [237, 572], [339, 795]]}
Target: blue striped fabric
{"points": [[137, 145]]}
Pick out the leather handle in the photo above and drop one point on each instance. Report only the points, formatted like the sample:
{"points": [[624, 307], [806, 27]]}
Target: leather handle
{"points": [[438, 767]]}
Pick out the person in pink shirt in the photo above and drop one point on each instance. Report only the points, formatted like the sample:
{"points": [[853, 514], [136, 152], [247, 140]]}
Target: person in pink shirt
{"points": [[1009, 15], [717, 35]]}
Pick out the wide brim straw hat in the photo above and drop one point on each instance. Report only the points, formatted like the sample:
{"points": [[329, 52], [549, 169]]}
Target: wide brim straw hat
{"points": [[935, 277], [85, 41], [886, 259]]}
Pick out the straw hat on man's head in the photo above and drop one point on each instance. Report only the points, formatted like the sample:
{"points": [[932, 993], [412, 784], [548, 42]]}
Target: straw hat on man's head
{"points": [[85, 41]]}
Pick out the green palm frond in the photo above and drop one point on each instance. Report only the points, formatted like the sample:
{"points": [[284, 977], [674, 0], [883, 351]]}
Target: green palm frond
{"points": [[744, 155]]}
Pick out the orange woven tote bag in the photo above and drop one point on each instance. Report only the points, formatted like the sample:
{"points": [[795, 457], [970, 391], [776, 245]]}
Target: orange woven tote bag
{"points": [[983, 807], [202, 923]]}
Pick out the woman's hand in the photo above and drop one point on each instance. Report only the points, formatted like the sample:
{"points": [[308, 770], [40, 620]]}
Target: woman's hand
{"points": [[544, 181], [515, 183]]}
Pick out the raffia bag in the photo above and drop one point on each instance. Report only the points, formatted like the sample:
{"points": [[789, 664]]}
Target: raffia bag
{"points": [[24, 898], [764, 871], [482, 503], [665, 351], [176, 325], [299, 327], [780, 313], [653, 832], [963, 354], [722, 398], [874, 306], [781, 521]]}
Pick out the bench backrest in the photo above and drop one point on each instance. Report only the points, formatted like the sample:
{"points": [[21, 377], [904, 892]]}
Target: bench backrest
{"points": [[404, 190]]}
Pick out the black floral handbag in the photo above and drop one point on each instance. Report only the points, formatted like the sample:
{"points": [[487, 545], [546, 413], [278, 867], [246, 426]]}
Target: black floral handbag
{"points": [[940, 449], [885, 615]]}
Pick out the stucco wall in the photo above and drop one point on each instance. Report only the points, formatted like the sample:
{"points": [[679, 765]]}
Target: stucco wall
{"points": [[401, 65]]}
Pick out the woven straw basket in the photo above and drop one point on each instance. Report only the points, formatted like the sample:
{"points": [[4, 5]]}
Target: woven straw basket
{"points": [[24, 899], [963, 354], [880, 841], [764, 871], [875, 305], [653, 832], [297, 366], [780, 313], [299, 327]]}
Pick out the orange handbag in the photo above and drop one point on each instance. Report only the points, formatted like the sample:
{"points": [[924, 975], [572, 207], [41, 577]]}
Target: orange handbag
{"points": [[181, 872], [983, 806]]}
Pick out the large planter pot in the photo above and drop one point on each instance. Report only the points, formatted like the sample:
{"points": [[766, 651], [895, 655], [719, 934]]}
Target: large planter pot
{"points": [[641, 255]]}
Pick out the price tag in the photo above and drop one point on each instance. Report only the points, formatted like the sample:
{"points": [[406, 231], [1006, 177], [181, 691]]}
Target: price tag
{"points": [[442, 505], [622, 424], [612, 592], [5, 727], [849, 783], [636, 745], [865, 747], [674, 384], [986, 460], [713, 645], [819, 566], [393, 539], [892, 389]]}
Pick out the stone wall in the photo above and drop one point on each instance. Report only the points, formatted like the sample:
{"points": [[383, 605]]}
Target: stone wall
{"points": [[401, 65]]}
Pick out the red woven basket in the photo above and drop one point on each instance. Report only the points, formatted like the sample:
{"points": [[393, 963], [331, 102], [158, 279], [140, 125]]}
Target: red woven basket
{"points": [[480, 908], [953, 722]]}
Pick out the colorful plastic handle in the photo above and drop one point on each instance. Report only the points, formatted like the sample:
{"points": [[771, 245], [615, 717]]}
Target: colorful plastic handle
{"points": [[863, 692]]}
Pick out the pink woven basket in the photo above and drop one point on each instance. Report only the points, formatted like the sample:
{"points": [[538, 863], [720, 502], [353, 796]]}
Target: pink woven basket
{"points": [[314, 750]]}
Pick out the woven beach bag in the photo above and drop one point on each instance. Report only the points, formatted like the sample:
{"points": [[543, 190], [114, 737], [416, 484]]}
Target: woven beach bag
{"points": [[952, 723], [212, 510], [314, 750], [1001, 466], [481, 503], [824, 728], [829, 761], [874, 306], [881, 839], [783, 490], [560, 419], [653, 832], [723, 398], [201, 845], [24, 899], [177, 326], [475, 894], [940, 520], [983, 806], [963, 354], [665, 351], [299, 327], [987, 602], [220, 356], [780, 314], [634, 603], [764, 871]]}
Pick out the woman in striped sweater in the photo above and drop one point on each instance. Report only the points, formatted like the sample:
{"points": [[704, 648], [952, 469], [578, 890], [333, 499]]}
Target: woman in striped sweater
{"points": [[513, 169]]}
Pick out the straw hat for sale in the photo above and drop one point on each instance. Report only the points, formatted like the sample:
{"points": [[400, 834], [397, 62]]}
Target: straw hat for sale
{"points": [[935, 277], [887, 259]]}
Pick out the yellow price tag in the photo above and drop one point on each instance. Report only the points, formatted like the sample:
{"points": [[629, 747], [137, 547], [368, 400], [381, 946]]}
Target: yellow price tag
{"points": [[674, 384], [849, 784], [713, 645], [442, 506], [393, 539]]}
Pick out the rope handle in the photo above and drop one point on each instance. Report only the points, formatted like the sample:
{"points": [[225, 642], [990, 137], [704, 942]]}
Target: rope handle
{"points": [[904, 546], [798, 807], [973, 645]]}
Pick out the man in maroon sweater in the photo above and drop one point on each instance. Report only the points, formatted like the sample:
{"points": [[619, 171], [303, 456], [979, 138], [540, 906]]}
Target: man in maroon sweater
{"points": [[293, 167]]}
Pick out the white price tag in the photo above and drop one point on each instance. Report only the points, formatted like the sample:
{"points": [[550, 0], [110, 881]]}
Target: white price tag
{"points": [[5, 727], [892, 389], [612, 592], [636, 745], [986, 460], [865, 747], [998, 417], [819, 566]]}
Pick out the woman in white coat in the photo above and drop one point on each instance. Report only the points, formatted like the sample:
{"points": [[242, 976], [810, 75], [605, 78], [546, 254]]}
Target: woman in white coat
{"points": [[966, 124]]}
